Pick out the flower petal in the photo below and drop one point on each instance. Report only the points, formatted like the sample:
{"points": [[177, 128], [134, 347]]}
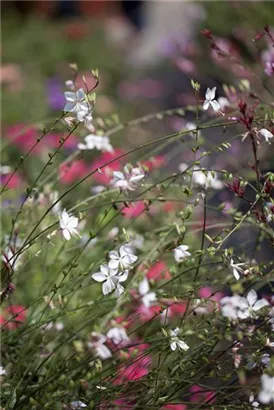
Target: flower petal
{"points": [[69, 107], [236, 274], [205, 105], [143, 287], [260, 304], [123, 277], [113, 264], [114, 255], [215, 105], [70, 96], [252, 297], [108, 287], [66, 234], [182, 345], [98, 276], [73, 222], [80, 94], [119, 290], [210, 94]]}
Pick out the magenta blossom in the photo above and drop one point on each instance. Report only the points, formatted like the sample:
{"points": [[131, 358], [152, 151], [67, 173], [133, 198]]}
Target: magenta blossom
{"points": [[201, 395]]}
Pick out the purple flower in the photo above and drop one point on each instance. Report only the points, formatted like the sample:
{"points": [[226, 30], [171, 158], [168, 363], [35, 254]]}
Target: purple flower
{"points": [[55, 94]]}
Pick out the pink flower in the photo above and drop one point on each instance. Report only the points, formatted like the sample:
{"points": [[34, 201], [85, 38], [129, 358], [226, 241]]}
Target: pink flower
{"points": [[207, 293], [201, 395], [213, 298], [14, 183], [24, 137], [17, 312], [138, 366], [73, 172], [185, 65], [105, 174], [170, 206], [124, 404], [89, 83], [134, 210], [135, 371], [159, 271], [53, 140], [173, 309], [144, 313], [156, 162], [174, 407], [178, 308]]}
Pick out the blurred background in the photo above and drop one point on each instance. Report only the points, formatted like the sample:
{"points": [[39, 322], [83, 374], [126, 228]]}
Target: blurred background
{"points": [[147, 52]]}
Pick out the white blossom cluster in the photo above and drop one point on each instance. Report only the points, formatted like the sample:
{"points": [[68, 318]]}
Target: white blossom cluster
{"points": [[77, 103], [116, 335], [176, 342], [238, 307], [99, 142], [116, 271], [129, 179]]}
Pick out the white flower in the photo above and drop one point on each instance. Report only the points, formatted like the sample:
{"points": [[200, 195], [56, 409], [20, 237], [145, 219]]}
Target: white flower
{"points": [[2, 371], [190, 126], [268, 208], [253, 402], [210, 100], [53, 196], [250, 305], [230, 306], [113, 232], [70, 85], [266, 134], [78, 405], [238, 307], [68, 224], [52, 326], [207, 181], [117, 335], [182, 167], [97, 343], [223, 102], [175, 341], [76, 102], [236, 268], [266, 394], [5, 169], [129, 179], [147, 296], [101, 143], [181, 253], [97, 189], [136, 241], [124, 258], [111, 279]]}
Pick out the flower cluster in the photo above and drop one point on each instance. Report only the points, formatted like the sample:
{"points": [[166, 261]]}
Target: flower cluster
{"points": [[117, 270], [77, 103], [129, 179], [92, 141], [238, 307]]}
